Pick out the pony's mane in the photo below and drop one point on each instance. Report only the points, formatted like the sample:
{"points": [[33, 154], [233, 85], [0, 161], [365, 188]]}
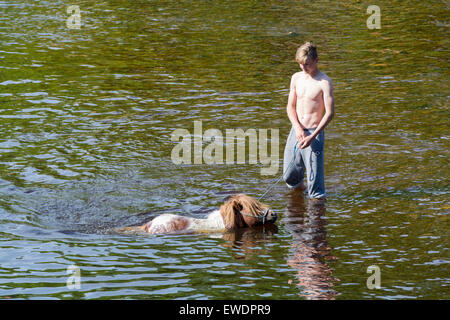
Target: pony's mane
{"points": [[231, 210], [251, 205]]}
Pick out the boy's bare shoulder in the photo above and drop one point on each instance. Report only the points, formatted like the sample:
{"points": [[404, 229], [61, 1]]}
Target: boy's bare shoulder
{"points": [[324, 77], [297, 74]]}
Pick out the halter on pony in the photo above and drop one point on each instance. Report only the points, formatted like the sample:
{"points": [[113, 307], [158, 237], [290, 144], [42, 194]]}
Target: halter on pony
{"points": [[262, 216]]}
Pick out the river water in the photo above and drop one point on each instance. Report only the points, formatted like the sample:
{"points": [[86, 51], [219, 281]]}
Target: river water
{"points": [[85, 146]]}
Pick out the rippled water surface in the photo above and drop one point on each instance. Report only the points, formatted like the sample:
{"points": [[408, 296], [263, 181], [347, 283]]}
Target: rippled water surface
{"points": [[85, 146]]}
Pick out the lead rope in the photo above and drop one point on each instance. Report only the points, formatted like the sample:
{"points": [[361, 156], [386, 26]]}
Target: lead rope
{"points": [[290, 164]]}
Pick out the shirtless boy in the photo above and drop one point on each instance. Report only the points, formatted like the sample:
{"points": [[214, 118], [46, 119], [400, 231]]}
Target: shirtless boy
{"points": [[310, 108]]}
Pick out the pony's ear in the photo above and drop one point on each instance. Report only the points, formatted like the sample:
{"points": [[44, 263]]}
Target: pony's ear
{"points": [[237, 205]]}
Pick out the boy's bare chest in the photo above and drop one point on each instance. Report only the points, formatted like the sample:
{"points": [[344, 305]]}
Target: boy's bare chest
{"points": [[308, 89]]}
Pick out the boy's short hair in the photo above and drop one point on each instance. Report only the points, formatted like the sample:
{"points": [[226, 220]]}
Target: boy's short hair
{"points": [[307, 51]]}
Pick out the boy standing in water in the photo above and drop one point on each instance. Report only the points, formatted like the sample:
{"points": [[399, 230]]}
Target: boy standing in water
{"points": [[310, 108]]}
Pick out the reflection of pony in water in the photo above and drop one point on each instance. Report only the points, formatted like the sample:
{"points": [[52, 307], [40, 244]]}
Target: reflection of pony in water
{"points": [[247, 243], [310, 249], [238, 211]]}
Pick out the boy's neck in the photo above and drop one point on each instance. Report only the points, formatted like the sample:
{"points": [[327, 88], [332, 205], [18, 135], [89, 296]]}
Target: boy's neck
{"points": [[313, 74]]}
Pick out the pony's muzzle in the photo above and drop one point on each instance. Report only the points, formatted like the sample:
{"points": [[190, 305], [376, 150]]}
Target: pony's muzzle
{"points": [[271, 217]]}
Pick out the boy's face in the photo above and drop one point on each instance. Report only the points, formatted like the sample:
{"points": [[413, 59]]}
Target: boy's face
{"points": [[309, 66]]}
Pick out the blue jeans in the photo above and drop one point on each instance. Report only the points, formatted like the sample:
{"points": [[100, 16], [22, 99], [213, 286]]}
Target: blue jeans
{"points": [[310, 158]]}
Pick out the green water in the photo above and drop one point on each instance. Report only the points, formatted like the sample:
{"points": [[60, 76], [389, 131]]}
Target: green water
{"points": [[86, 120]]}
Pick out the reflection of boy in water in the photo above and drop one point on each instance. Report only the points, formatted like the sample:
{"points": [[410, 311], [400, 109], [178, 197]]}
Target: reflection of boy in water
{"points": [[309, 247], [310, 108]]}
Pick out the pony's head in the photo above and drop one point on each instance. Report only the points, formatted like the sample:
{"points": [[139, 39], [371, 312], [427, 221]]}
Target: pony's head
{"points": [[240, 211]]}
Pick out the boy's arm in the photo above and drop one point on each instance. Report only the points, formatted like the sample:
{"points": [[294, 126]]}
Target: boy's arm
{"points": [[292, 112], [328, 100]]}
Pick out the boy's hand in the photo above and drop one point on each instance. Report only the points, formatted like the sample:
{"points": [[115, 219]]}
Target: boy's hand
{"points": [[305, 143], [300, 135]]}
